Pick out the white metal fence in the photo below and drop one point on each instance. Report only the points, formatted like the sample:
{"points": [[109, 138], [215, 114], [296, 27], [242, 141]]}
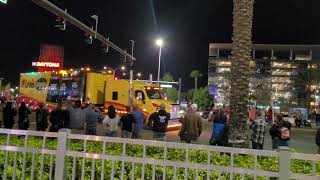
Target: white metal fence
{"points": [[44, 155]]}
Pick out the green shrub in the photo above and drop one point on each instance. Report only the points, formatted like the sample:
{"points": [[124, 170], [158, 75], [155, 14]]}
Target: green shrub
{"points": [[152, 152]]}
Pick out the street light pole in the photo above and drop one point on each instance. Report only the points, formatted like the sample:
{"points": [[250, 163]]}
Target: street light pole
{"points": [[159, 43], [159, 66]]}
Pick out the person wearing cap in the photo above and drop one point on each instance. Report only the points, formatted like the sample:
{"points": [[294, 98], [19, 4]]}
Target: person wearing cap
{"points": [[191, 125]]}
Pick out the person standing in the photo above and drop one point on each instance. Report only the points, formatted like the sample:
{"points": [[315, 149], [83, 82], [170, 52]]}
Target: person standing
{"points": [[284, 133], [258, 127], [41, 118], [127, 125], [191, 125], [112, 121], [24, 112], [58, 118], [138, 125], [159, 122], [219, 134], [77, 116], [274, 132], [9, 113], [280, 132], [92, 118]]}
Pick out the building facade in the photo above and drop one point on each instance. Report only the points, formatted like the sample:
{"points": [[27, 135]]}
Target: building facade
{"points": [[275, 73]]}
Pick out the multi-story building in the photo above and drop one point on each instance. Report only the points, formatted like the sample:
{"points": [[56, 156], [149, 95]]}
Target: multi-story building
{"points": [[274, 69]]}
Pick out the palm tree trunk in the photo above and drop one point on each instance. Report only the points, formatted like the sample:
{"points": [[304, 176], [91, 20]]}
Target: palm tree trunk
{"points": [[196, 83], [240, 71]]}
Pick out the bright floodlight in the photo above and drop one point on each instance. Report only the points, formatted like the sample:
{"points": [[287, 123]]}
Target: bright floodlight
{"points": [[123, 68], [159, 42]]}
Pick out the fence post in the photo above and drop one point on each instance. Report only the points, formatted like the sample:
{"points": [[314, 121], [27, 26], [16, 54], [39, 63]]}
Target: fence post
{"points": [[60, 168], [284, 163]]}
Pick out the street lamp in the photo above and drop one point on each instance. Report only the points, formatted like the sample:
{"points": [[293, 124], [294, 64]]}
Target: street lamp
{"points": [[159, 42], [139, 75]]}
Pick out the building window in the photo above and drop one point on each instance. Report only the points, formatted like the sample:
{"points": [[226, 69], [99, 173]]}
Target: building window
{"points": [[225, 53], [222, 70], [281, 65], [114, 95], [262, 54], [302, 55], [279, 72]]}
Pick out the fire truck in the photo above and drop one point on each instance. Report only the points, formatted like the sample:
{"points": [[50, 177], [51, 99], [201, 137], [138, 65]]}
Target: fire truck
{"points": [[100, 88]]}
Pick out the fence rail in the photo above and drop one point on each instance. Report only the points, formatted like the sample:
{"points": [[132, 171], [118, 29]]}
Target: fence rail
{"points": [[44, 155]]}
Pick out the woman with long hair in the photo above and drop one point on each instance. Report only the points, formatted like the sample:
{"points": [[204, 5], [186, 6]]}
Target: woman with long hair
{"points": [[112, 121], [23, 116]]}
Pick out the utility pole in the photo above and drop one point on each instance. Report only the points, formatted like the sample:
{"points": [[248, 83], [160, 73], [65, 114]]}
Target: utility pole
{"points": [[132, 47], [179, 93], [72, 20]]}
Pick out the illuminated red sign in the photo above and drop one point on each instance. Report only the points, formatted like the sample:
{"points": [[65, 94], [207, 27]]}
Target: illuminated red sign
{"points": [[46, 64]]}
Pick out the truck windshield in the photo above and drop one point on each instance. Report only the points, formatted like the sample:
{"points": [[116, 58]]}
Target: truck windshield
{"points": [[153, 94]]}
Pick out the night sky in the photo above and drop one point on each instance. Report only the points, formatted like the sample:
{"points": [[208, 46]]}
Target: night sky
{"points": [[187, 27]]}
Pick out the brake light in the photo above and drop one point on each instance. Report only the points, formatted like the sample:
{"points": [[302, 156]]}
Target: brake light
{"points": [[154, 105]]}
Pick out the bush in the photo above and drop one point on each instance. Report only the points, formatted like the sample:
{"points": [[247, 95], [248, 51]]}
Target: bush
{"points": [[173, 154]]}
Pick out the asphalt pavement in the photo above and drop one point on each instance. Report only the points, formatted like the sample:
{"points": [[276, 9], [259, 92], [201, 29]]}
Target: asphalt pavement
{"points": [[302, 139]]}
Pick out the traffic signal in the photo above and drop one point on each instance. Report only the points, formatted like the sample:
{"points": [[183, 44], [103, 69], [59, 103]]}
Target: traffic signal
{"points": [[88, 38], [105, 47]]}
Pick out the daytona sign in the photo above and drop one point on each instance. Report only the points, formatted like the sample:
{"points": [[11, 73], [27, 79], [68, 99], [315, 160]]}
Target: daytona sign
{"points": [[46, 64]]}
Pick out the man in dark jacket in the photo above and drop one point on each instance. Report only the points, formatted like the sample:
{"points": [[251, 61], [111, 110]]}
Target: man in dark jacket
{"points": [[58, 118], [160, 121], [191, 125], [8, 115], [41, 118]]}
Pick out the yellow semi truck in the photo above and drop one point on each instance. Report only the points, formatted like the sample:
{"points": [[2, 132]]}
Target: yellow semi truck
{"points": [[102, 89]]}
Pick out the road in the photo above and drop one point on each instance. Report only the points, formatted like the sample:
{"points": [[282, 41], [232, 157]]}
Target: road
{"points": [[302, 139]]}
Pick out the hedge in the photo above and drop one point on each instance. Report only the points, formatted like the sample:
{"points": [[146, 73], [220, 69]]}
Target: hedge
{"points": [[174, 154]]}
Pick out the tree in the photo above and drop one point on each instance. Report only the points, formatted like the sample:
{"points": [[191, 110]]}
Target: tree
{"points": [[240, 71], [168, 77], [172, 93], [195, 74], [202, 97]]}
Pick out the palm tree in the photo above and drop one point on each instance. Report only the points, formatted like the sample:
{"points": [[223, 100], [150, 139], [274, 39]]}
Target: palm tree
{"points": [[240, 71], [195, 74]]}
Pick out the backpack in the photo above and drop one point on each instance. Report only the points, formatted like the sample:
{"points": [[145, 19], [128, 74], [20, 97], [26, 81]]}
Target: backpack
{"points": [[284, 133], [217, 132]]}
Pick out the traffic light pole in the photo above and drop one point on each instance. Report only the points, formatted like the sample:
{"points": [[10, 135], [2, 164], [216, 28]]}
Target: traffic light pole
{"points": [[68, 18]]}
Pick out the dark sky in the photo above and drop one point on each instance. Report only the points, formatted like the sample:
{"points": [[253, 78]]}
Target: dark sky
{"points": [[186, 25]]}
